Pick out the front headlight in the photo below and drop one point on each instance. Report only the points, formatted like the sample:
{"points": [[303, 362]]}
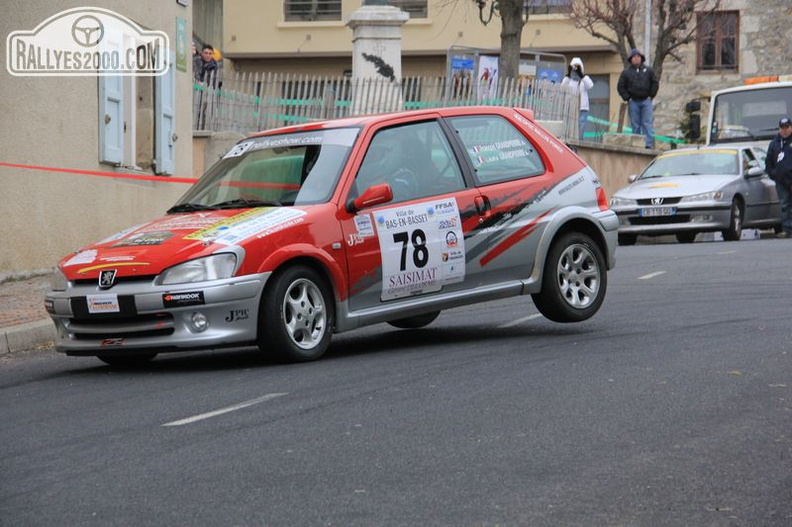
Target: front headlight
{"points": [[622, 202], [715, 195], [215, 267], [58, 280]]}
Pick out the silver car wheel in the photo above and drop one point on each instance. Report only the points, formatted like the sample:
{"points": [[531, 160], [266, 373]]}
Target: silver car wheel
{"points": [[304, 315], [578, 276]]}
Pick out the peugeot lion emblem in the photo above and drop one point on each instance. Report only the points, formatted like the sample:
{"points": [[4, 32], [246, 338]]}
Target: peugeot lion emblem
{"points": [[107, 278], [657, 201]]}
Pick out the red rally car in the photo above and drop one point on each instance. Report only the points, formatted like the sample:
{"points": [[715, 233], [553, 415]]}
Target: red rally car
{"points": [[302, 232]]}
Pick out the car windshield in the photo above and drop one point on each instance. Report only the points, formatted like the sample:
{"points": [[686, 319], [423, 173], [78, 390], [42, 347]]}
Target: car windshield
{"points": [[277, 170], [693, 164], [751, 114]]}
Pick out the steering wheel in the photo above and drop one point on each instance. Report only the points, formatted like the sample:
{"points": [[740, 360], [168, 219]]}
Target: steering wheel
{"points": [[404, 184]]}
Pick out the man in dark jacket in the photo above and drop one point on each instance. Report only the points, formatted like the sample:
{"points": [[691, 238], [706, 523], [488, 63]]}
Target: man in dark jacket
{"points": [[778, 165], [638, 85], [205, 66]]}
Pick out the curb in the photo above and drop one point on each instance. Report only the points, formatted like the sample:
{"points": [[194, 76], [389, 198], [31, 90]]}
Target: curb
{"points": [[24, 336]]}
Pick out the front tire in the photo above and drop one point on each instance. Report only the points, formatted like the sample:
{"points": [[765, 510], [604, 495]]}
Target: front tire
{"points": [[734, 232], [575, 279], [686, 237], [296, 315]]}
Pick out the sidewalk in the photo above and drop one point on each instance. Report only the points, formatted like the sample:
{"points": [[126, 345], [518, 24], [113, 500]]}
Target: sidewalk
{"points": [[24, 322]]}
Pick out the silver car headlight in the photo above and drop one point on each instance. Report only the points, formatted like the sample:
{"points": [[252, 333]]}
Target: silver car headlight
{"points": [[58, 280], [215, 267], [715, 195], [622, 202]]}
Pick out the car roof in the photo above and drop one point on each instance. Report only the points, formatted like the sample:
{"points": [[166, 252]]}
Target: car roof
{"points": [[368, 120]]}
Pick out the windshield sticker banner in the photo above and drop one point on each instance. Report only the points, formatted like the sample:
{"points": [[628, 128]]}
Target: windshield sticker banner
{"points": [[422, 248], [247, 224]]}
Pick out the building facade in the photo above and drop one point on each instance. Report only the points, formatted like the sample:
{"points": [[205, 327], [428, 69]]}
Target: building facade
{"points": [[68, 143], [310, 37]]}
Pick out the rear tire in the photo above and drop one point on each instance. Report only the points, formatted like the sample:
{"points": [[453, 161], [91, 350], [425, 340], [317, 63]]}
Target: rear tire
{"points": [[575, 279], [628, 239], [415, 322], [127, 361], [296, 315]]}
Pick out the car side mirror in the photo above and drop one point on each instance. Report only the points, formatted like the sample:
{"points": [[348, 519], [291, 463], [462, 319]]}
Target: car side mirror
{"points": [[632, 178], [755, 171], [372, 196]]}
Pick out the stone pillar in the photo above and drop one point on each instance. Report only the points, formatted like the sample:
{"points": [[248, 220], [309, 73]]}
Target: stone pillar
{"points": [[376, 58]]}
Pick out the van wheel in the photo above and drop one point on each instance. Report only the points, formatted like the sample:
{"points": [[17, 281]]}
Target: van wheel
{"points": [[296, 315], [575, 279], [415, 322]]}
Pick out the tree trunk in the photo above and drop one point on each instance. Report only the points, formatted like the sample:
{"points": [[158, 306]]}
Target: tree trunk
{"points": [[511, 13]]}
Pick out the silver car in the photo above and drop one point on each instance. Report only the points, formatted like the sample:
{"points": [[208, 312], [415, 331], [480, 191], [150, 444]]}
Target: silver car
{"points": [[705, 189]]}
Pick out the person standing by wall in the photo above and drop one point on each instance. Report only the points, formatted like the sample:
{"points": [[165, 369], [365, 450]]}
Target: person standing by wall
{"points": [[638, 86], [204, 65], [778, 165], [576, 78]]}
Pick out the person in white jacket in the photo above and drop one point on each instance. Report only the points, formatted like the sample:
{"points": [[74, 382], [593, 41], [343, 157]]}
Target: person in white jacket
{"points": [[577, 79]]}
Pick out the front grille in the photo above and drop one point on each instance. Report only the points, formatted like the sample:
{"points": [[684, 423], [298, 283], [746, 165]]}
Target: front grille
{"points": [[660, 220], [139, 326], [119, 280], [666, 201]]}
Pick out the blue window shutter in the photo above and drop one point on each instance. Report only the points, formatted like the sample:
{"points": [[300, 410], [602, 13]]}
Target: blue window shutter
{"points": [[111, 119], [164, 123]]}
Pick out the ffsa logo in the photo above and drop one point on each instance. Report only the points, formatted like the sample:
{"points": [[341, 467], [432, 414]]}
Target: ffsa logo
{"points": [[87, 41]]}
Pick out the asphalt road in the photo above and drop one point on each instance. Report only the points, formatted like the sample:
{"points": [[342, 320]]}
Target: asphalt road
{"points": [[671, 407]]}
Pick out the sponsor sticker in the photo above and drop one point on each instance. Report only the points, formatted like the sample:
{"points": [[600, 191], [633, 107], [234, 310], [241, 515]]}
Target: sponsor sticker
{"points": [[98, 304], [152, 238], [82, 257], [422, 248], [191, 298]]}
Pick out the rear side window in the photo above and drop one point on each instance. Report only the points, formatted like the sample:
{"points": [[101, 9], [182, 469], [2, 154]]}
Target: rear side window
{"points": [[497, 150]]}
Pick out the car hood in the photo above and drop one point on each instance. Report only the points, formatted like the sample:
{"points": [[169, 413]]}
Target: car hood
{"points": [[148, 249], [674, 186]]}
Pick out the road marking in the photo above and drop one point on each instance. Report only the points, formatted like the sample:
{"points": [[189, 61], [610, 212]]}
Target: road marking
{"points": [[725, 252], [226, 410], [519, 321], [651, 275]]}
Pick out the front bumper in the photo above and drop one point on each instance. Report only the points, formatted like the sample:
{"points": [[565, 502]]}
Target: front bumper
{"points": [[696, 218], [142, 317]]}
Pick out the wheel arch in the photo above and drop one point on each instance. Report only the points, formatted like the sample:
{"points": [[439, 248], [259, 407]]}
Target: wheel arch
{"points": [[309, 256], [556, 229]]}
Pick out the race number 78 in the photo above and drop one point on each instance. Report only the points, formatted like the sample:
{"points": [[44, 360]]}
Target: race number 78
{"points": [[420, 253]]}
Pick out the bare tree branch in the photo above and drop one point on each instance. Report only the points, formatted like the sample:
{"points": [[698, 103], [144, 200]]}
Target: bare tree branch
{"points": [[674, 24]]}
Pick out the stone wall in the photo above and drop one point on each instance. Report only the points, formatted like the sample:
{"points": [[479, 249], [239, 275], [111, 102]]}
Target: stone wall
{"points": [[765, 48]]}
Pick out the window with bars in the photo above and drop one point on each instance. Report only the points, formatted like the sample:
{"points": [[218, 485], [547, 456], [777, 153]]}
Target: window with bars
{"points": [[543, 7], [416, 8], [311, 10], [716, 41]]}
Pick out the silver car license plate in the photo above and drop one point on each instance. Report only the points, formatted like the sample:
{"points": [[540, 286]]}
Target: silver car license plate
{"points": [[657, 211]]}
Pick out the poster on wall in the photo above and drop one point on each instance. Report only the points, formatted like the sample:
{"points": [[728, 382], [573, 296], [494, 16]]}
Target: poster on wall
{"points": [[463, 69], [487, 76]]}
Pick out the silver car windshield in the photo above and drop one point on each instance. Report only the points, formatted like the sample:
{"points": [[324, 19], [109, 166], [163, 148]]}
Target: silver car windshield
{"points": [[693, 164], [279, 170]]}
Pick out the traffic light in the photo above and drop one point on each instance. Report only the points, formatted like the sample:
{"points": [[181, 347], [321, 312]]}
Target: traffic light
{"points": [[693, 121]]}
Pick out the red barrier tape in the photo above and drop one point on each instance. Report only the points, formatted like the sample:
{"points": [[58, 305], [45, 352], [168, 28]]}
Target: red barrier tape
{"points": [[161, 179]]}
